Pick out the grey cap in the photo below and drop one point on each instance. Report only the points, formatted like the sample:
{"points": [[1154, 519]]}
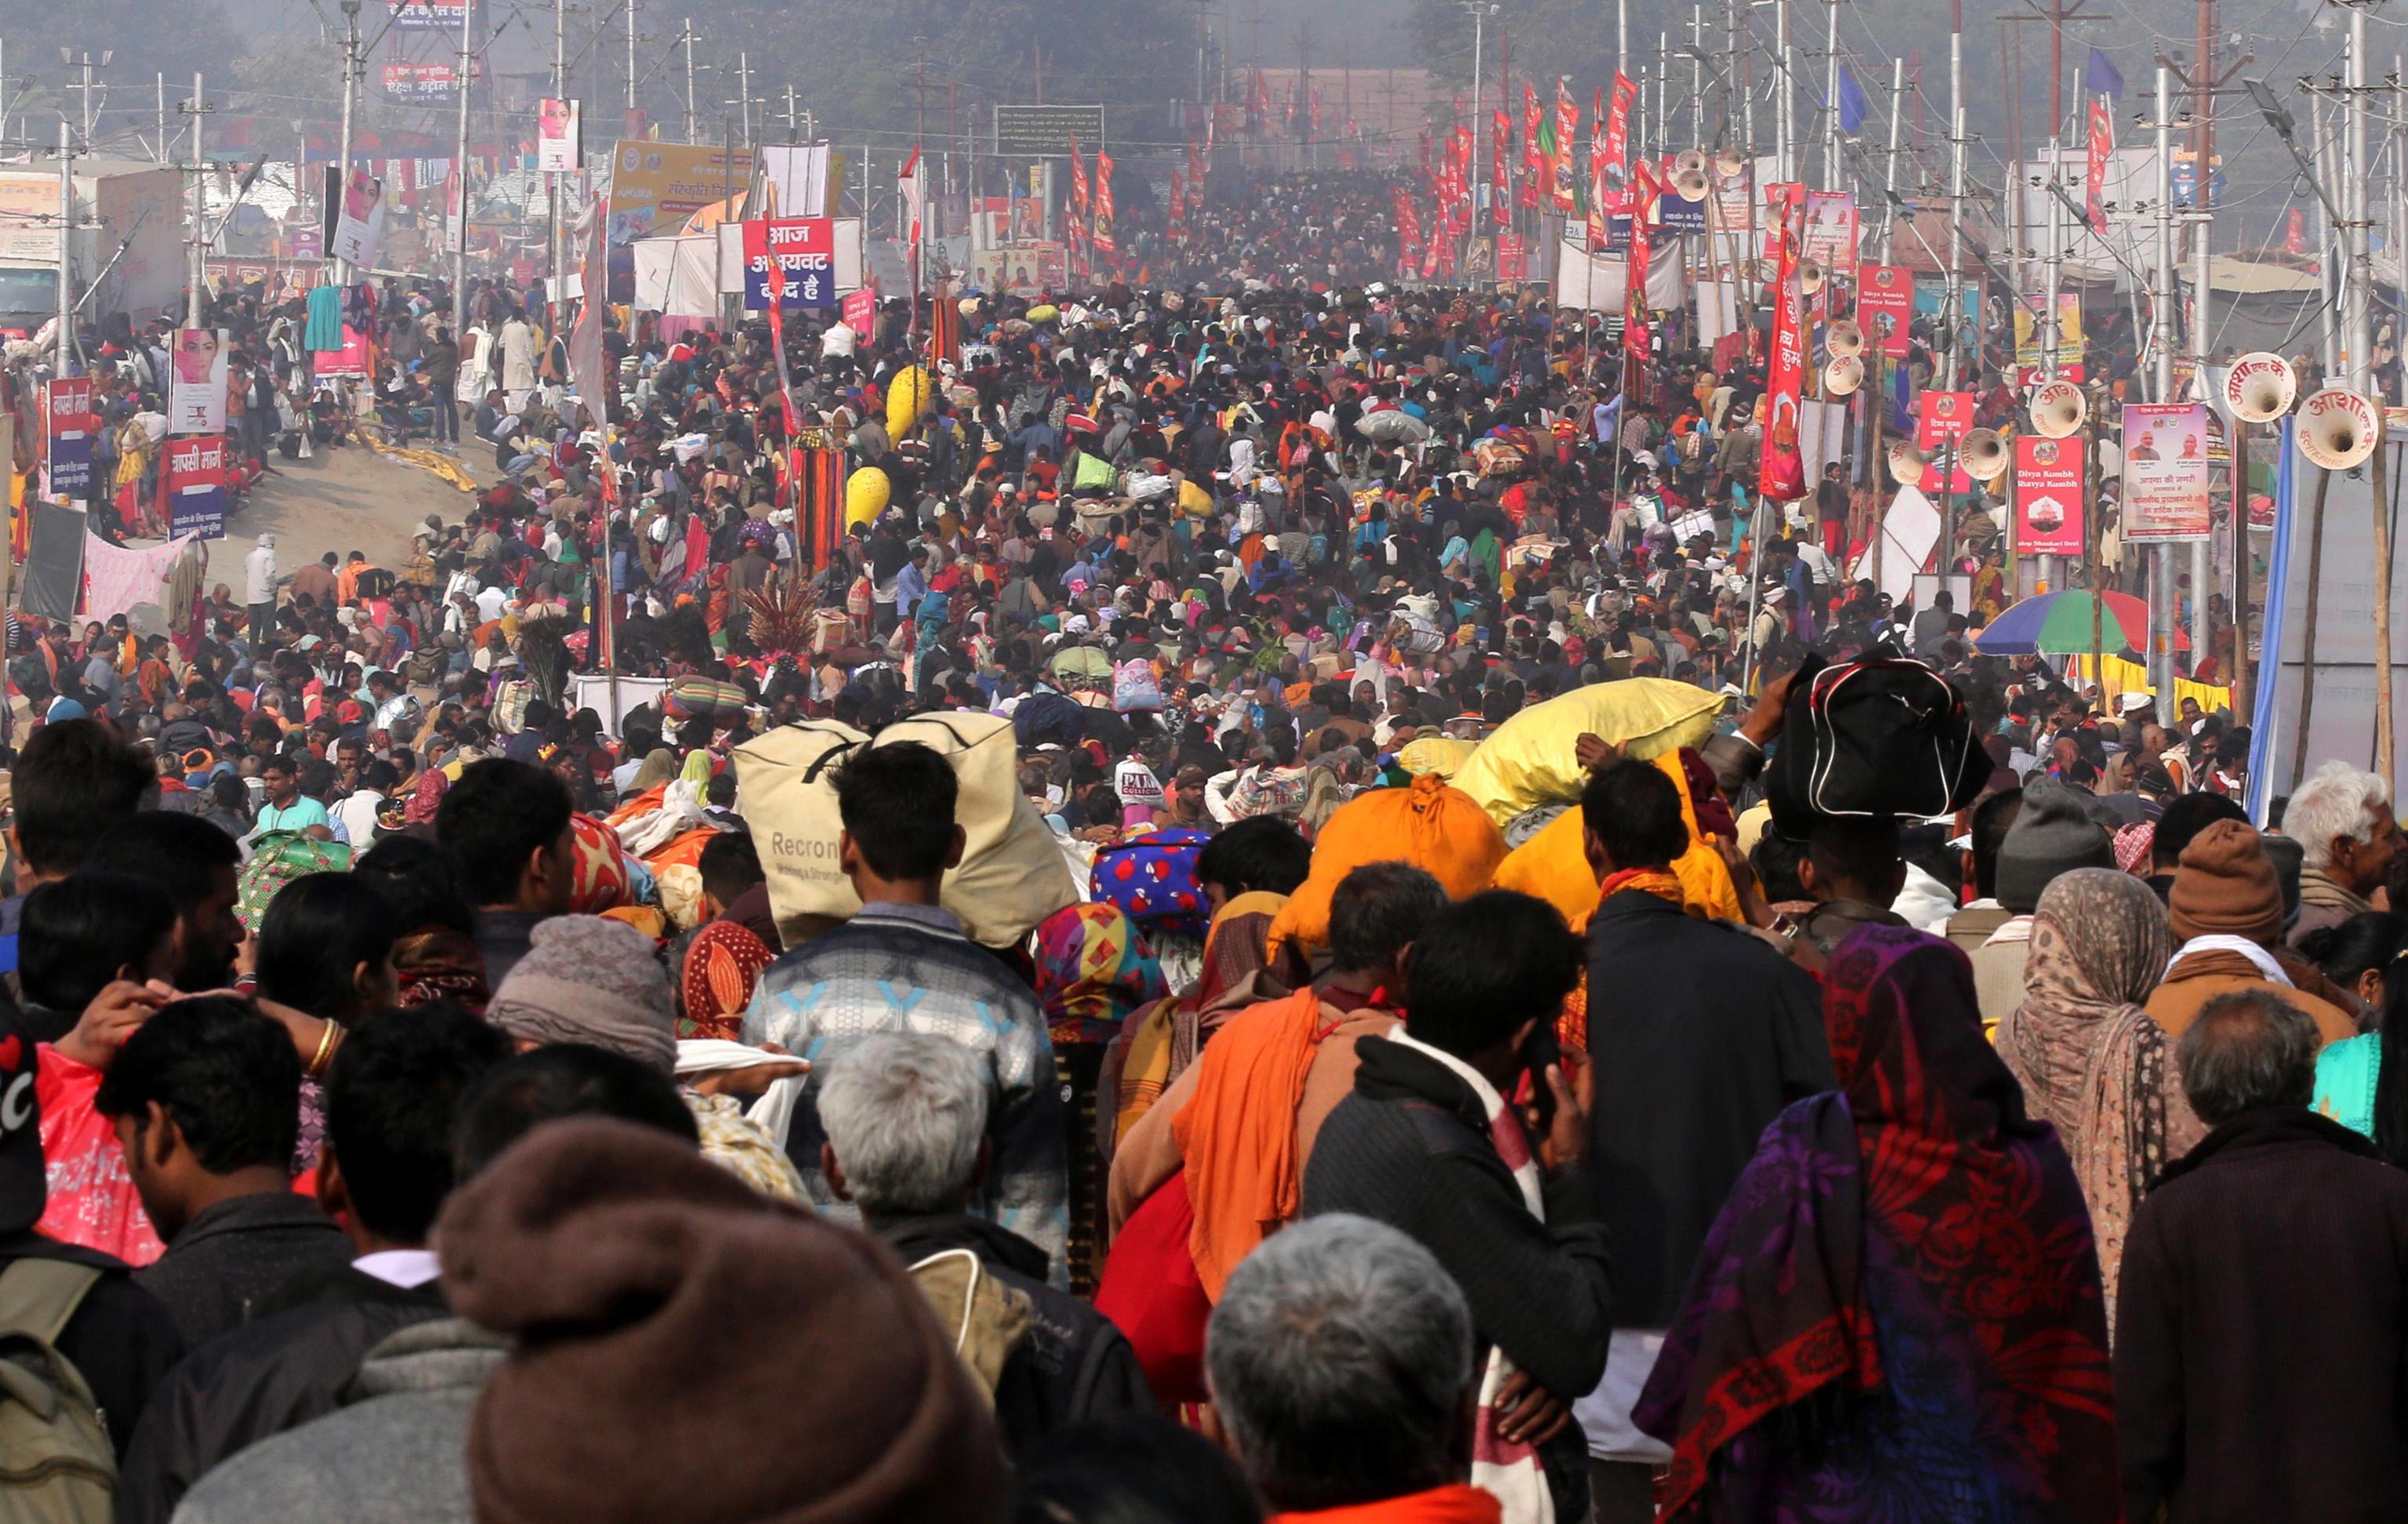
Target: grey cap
{"points": [[2054, 833]]}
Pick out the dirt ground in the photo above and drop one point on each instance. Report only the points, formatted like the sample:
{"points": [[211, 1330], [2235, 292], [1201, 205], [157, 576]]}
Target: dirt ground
{"points": [[342, 500]]}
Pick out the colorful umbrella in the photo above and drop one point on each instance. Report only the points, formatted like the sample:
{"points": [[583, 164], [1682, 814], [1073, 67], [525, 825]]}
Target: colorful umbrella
{"points": [[2058, 625]]}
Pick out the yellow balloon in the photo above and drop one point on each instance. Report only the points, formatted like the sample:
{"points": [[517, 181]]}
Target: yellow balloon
{"points": [[866, 493], [907, 398]]}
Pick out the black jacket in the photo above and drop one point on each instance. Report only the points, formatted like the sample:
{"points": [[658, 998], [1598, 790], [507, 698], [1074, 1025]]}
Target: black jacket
{"points": [[1410, 1148], [274, 1373], [2261, 1330], [1073, 1363], [231, 1257], [1701, 1034]]}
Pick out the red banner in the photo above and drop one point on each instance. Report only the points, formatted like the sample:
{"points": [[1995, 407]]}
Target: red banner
{"points": [[2052, 486], [1781, 471], [1618, 129], [2294, 233], [1942, 418], [1886, 308], [1512, 261], [1099, 230], [1408, 230], [1076, 231], [2094, 180], [1635, 308]]}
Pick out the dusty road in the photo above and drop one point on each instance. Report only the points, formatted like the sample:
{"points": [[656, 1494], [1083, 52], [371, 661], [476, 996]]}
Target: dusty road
{"points": [[343, 500]]}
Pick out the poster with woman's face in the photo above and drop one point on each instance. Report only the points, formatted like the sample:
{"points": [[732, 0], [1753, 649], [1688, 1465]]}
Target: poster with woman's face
{"points": [[197, 390], [360, 225], [556, 146]]}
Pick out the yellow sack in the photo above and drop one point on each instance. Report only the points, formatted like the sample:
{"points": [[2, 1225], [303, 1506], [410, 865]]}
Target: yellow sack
{"points": [[907, 398], [1432, 826], [1043, 312], [1441, 754], [866, 493], [1529, 760], [1553, 865], [1193, 500], [1011, 875]]}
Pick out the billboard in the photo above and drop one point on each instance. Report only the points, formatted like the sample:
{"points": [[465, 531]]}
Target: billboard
{"points": [[68, 405], [1022, 269], [429, 15], [803, 251], [1047, 131], [192, 481], [197, 381], [422, 81], [559, 142], [2167, 473], [2052, 485], [654, 187]]}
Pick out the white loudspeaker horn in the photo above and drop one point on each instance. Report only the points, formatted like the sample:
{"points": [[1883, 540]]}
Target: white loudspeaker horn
{"points": [[1731, 161], [1811, 276], [1689, 180], [1843, 339], [2339, 429], [1983, 453], [1906, 464], [2261, 387], [1843, 376], [2058, 409]]}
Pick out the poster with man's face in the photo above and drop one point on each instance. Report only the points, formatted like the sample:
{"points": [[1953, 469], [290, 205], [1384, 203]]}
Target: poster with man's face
{"points": [[196, 387]]}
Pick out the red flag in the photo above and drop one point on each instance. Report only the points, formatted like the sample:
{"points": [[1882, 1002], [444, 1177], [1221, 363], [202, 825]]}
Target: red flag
{"points": [[1634, 301], [1099, 230], [1567, 130], [2294, 233], [2093, 181], [1408, 230], [1781, 469]]}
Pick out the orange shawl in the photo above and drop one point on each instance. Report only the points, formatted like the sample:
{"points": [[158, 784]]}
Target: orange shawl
{"points": [[1238, 1131]]}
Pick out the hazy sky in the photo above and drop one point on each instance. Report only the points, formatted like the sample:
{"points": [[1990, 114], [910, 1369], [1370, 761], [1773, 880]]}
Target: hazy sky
{"points": [[1366, 33]]}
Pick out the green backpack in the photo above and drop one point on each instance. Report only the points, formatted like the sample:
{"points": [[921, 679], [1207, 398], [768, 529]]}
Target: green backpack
{"points": [[56, 1463]]}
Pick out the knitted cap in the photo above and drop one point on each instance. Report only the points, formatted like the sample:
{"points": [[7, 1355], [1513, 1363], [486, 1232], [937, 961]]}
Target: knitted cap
{"points": [[588, 979], [666, 1308], [2225, 884], [2052, 834]]}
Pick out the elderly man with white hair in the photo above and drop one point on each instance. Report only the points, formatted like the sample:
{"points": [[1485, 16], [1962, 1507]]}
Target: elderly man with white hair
{"points": [[1340, 1363], [905, 1117], [2349, 838]]}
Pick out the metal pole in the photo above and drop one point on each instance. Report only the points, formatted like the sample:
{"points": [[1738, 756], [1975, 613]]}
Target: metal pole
{"points": [[1697, 77], [1830, 95], [2358, 170], [200, 213], [631, 66], [1889, 171], [551, 286], [343, 150], [64, 364], [459, 236], [2053, 260], [2162, 600], [1479, 125], [687, 38], [2327, 245], [161, 157], [1785, 120]]}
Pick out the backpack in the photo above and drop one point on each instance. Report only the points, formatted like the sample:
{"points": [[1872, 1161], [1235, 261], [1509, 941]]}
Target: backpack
{"points": [[986, 1320], [1878, 736], [57, 1465]]}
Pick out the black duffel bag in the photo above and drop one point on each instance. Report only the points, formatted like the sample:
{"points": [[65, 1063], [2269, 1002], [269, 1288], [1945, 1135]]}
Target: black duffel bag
{"points": [[1882, 735]]}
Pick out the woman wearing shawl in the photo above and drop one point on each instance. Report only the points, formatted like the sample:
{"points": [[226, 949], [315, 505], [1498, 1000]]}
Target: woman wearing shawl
{"points": [[1897, 1314], [1093, 970], [2091, 1061]]}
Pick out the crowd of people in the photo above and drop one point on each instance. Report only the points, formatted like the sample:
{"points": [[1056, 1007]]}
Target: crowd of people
{"points": [[1226, 932]]}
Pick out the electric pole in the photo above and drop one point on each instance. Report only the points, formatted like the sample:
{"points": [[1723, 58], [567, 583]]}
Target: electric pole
{"points": [[351, 66], [686, 36], [196, 108]]}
